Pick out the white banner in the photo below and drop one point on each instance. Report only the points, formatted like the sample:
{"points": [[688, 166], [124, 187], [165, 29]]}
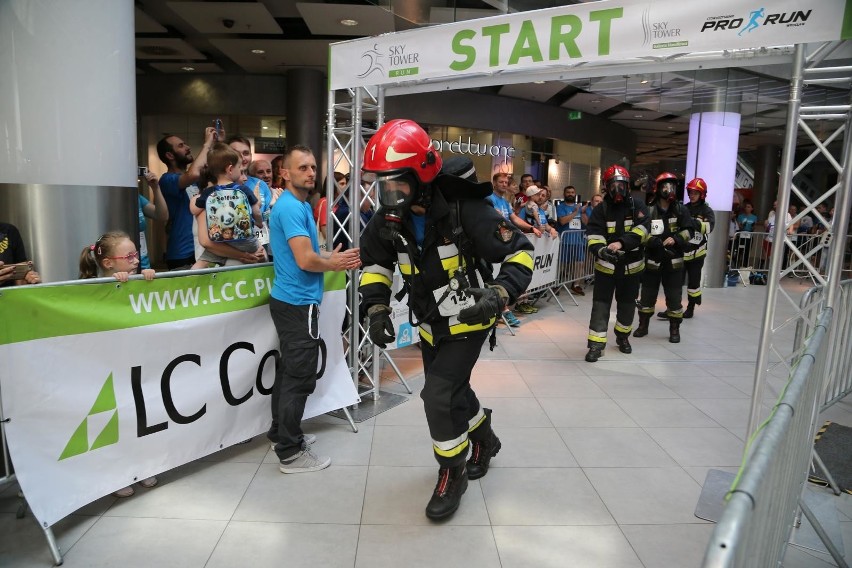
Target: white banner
{"points": [[90, 413], [581, 34], [545, 255]]}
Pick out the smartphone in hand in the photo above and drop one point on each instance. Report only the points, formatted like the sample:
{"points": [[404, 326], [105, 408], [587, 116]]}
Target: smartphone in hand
{"points": [[217, 125], [21, 269]]}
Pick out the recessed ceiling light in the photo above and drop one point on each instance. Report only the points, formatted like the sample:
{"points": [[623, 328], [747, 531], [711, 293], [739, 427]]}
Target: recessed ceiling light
{"points": [[258, 51], [595, 101], [348, 22], [265, 128], [637, 116], [539, 82], [188, 68], [761, 123], [670, 127]]}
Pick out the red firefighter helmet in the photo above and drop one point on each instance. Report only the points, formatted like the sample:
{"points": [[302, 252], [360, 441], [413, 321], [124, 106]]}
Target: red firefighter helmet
{"points": [[613, 174], [699, 185], [666, 186], [401, 146]]}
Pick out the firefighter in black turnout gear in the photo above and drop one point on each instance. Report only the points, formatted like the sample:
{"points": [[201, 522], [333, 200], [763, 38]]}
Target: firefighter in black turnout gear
{"points": [[617, 229], [693, 259], [671, 231], [444, 236]]}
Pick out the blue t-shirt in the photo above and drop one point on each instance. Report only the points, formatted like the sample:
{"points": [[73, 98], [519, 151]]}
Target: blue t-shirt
{"points": [[180, 243], [143, 224], [566, 209], [501, 205], [293, 218], [419, 222], [265, 195], [746, 222]]}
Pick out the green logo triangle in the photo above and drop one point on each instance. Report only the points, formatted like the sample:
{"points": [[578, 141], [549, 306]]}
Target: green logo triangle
{"points": [[79, 442], [106, 398]]}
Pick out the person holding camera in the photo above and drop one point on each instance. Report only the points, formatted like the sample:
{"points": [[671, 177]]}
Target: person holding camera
{"points": [[155, 209], [15, 268]]}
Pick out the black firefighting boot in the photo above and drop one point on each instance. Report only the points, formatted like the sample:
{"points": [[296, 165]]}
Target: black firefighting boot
{"points": [[674, 330], [452, 483], [482, 451], [663, 315], [690, 308], [644, 320], [623, 343], [595, 352]]}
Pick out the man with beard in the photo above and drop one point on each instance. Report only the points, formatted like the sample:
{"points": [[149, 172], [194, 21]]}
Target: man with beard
{"points": [[177, 155]]}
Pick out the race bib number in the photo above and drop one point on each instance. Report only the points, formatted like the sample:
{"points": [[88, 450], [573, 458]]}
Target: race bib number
{"points": [[453, 303], [657, 227], [262, 235], [575, 224], [696, 239]]}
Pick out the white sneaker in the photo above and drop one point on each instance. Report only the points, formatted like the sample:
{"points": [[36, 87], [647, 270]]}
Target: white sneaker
{"points": [[303, 462], [308, 439]]}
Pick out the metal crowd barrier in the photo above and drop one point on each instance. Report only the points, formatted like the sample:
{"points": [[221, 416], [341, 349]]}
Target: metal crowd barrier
{"points": [[750, 252], [763, 505], [574, 266], [837, 383]]}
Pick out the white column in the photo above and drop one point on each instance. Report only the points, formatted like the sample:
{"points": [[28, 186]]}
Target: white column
{"points": [[67, 125], [712, 155]]}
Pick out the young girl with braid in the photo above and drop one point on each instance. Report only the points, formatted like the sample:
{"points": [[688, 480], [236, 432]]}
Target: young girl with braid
{"points": [[114, 254]]}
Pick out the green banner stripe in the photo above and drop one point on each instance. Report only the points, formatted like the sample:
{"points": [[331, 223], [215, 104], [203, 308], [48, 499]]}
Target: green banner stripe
{"points": [[846, 30], [53, 311]]}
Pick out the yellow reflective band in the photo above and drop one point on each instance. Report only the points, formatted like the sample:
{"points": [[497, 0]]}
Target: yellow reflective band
{"points": [[599, 334], [523, 258], [610, 230], [693, 293], [623, 328], [705, 227], [374, 278], [646, 310], [450, 264], [601, 267], [454, 451], [406, 269], [426, 336], [685, 235], [461, 328], [597, 339], [476, 421]]}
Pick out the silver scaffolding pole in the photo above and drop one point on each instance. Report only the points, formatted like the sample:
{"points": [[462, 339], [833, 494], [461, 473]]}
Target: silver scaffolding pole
{"points": [[346, 136], [774, 351]]}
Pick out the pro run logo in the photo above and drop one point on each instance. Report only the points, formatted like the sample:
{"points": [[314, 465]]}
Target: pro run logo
{"points": [[79, 442]]}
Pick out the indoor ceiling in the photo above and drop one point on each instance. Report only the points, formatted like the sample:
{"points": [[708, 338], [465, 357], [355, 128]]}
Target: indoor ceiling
{"points": [[272, 36]]}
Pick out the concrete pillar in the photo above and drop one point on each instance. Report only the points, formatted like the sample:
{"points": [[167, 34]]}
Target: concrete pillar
{"points": [[766, 179], [67, 126], [307, 103]]}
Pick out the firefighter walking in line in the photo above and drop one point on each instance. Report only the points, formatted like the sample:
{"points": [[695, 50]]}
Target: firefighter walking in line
{"points": [[617, 229], [438, 228], [693, 259], [671, 231]]}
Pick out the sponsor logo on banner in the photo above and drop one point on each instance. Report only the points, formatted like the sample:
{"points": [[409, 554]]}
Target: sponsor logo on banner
{"points": [[80, 443], [654, 32], [755, 19]]}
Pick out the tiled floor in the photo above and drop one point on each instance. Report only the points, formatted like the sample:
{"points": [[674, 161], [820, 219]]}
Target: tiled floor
{"points": [[602, 466]]}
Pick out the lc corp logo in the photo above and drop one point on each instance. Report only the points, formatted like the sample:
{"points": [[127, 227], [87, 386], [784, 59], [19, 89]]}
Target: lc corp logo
{"points": [[756, 18], [105, 402]]}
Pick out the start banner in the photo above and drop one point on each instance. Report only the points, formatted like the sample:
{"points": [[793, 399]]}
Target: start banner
{"points": [[105, 384]]}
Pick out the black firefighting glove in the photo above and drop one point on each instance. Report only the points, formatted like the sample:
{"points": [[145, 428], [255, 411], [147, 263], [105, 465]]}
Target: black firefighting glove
{"points": [[654, 244], [490, 302], [380, 327], [608, 255]]}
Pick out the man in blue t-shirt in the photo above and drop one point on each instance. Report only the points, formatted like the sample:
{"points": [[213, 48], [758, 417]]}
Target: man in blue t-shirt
{"points": [[177, 155], [572, 249], [294, 305]]}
